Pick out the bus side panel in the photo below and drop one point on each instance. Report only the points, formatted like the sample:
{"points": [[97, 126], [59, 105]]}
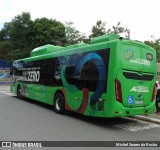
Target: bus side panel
{"points": [[84, 79]]}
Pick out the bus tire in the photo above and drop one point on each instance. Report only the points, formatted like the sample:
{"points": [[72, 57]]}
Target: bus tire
{"points": [[19, 92], [59, 103]]}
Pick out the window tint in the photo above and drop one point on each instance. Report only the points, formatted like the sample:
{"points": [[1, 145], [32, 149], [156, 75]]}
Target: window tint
{"points": [[17, 68], [47, 71], [89, 76], [83, 76], [84, 70], [72, 63], [59, 63], [81, 70]]}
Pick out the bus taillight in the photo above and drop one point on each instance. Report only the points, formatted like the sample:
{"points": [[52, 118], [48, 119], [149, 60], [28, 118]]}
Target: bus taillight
{"points": [[118, 90], [154, 92]]}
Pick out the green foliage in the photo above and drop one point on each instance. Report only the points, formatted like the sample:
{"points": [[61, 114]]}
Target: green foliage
{"points": [[73, 36], [15, 54], [3, 34], [21, 35], [118, 30], [98, 29], [17, 34], [48, 31], [5, 48], [156, 45], [19, 31]]}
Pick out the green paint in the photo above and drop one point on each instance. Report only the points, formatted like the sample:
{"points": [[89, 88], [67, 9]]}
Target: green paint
{"points": [[127, 61]]}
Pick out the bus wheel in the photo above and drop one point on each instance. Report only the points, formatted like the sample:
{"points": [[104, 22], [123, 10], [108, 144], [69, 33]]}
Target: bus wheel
{"points": [[19, 92], [59, 103]]}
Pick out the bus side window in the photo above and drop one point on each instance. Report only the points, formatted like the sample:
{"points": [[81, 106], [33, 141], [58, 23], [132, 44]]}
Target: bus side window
{"points": [[59, 63], [14, 71], [71, 64], [89, 76]]}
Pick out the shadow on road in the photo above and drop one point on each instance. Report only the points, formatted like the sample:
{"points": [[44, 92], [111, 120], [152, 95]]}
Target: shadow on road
{"points": [[102, 122]]}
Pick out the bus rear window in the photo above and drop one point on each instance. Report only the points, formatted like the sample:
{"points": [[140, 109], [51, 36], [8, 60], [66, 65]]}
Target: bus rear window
{"points": [[149, 56]]}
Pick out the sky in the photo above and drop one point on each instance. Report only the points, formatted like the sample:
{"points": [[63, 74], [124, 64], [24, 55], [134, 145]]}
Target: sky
{"points": [[140, 16]]}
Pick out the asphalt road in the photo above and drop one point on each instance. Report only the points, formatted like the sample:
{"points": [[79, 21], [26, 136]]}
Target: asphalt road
{"points": [[29, 120]]}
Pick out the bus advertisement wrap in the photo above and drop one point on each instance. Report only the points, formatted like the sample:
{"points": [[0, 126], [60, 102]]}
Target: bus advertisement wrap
{"points": [[110, 77]]}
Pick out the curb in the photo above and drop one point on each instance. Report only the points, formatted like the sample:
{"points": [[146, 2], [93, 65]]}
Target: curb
{"points": [[147, 119]]}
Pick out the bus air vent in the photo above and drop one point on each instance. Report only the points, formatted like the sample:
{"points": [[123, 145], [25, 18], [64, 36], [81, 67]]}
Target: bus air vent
{"points": [[104, 38], [136, 76]]}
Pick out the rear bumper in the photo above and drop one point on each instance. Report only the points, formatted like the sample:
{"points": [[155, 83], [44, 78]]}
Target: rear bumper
{"points": [[121, 111]]}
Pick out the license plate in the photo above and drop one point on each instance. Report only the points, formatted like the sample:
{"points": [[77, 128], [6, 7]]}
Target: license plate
{"points": [[139, 102]]}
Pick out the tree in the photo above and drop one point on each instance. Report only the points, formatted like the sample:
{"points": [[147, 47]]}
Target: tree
{"points": [[73, 36], [21, 35], [4, 32], [98, 29], [5, 44], [118, 30], [155, 43], [20, 31], [48, 31], [5, 48], [16, 35]]}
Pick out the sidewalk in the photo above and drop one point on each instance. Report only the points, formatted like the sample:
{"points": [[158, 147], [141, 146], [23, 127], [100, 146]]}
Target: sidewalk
{"points": [[4, 87]]}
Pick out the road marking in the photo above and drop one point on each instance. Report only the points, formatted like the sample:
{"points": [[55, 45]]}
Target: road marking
{"points": [[136, 126], [7, 93], [131, 126], [147, 118]]}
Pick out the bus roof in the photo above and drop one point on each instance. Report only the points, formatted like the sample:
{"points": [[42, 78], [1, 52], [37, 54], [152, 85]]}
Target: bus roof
{"points": [[48, 51]]}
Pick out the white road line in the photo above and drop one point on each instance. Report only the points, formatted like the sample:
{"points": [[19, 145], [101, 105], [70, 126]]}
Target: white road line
{"points": [[7, 93], [148, 118]]}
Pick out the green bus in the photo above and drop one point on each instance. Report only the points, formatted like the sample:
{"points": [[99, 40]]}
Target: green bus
{"points": [[110, 77]]}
